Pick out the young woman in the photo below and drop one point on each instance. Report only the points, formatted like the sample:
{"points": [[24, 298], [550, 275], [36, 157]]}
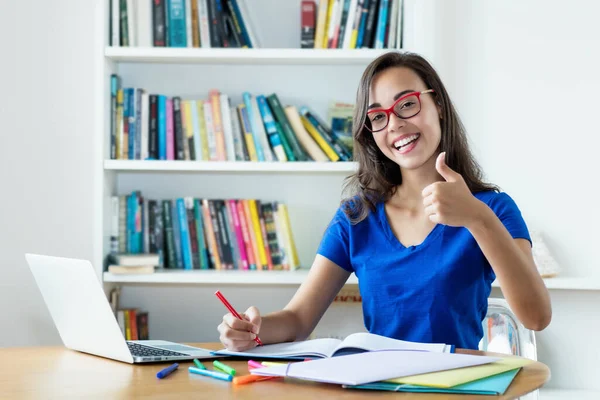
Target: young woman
{"points": [[422, 232]]}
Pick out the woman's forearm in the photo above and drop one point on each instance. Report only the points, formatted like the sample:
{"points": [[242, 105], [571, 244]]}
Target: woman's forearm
{"points": [[279, 326], [517, 274]]}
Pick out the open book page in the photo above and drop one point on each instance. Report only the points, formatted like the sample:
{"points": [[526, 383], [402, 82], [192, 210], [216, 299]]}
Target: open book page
{"points": [[362, 341], [319, 348]]}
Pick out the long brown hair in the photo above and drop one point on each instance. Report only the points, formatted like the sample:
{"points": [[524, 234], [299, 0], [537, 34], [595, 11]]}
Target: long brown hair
{"points": [[378, 177]]}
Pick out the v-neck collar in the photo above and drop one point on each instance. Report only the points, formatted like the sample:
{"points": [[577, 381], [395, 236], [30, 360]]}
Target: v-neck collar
{"points": [[437, 229]]}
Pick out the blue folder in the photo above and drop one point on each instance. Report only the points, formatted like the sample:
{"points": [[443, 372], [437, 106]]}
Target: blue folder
{"points": [[492, 385]]}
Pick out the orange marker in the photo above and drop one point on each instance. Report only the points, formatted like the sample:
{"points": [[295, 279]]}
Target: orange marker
{"points": [[242, 380]]}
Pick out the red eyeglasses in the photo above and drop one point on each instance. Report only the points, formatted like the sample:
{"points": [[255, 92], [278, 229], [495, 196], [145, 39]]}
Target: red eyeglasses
{"points": [[405, 107]]}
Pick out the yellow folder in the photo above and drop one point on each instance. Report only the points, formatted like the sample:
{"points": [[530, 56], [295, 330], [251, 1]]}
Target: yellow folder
{"points": [[453, 377]]}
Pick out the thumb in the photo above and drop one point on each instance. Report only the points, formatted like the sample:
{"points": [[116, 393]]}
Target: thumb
{"points": [[253, 315], [444, 170]]}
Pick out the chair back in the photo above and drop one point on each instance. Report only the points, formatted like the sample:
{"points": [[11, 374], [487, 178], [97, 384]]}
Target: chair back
{"points": [[504, 333]]}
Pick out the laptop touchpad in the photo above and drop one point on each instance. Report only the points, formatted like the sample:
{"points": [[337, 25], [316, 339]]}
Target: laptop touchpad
{"points": [[178, 347]]}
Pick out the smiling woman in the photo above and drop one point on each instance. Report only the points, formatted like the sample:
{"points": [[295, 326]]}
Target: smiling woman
{"points": [[424, 234]]}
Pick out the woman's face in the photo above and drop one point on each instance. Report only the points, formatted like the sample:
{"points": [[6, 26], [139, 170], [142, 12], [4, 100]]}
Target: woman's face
{"points": [[409, 142]]}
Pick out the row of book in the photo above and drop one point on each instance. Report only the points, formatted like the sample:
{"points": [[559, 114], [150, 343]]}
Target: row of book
{"points": [[352, 24], [148, 126], [181, 23], [189, 233], [133, 324]]}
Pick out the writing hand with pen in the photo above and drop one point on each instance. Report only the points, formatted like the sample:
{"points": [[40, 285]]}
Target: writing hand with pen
{"points": [[239, 332]]}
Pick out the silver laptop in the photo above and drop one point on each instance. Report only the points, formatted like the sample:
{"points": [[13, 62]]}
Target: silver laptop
{"points": [[85, 320]]}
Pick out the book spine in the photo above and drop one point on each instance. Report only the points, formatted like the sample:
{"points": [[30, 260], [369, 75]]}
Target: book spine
{"points": [[115, 38], [138, 124], [214, 97], [122, 224], [238, 24], [191, 222], [232, 209], [177, 23], [271, 129], [204, 24], [213, 24], [203, 140], [273, 101], [145, 126], [258, 233], [307, 33], [263, 232], [158, 18], [177, 235], [188, 130], [252, 234], [247, 97], [146, 226], [162, 127], [119, 125], [210, 131], [170, 133], [202, 247], [223, 232], [227, 127], [371, 24], [381, 24], [262, 134], [178, 129], [153, 127], [267, 210], [364, 14], [131, 123], [245, 235], [211, 240], [239, 143], [217, 233], [247, 132], [114, 88], [114, 225], [228, 219], [169, 238]]}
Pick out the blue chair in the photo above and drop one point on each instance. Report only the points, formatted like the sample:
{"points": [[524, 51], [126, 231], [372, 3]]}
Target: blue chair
{"points": [[504, 333]]}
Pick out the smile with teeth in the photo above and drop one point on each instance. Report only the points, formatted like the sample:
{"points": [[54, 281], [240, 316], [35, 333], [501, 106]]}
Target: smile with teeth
{"points": [[406, 141]]}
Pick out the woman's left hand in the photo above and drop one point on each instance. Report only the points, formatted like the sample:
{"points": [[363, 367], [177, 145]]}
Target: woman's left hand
{"points": [[450, 202]]}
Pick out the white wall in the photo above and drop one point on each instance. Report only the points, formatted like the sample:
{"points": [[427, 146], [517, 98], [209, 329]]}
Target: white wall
{"points": [[46, 111], [486, 51]]}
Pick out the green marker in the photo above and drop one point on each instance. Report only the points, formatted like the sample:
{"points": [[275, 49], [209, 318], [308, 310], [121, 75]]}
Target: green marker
{"points": [[225, 368], [199, 364]]}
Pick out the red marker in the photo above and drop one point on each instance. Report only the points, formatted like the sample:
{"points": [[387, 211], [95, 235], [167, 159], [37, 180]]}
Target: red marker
{"points": [[232, 311]]}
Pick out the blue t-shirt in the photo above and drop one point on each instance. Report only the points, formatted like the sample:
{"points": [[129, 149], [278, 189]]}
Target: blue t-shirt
{"points": [[435, 292]]}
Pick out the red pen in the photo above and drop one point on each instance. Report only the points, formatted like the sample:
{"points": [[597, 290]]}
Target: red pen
{"points": [[232, 310]]}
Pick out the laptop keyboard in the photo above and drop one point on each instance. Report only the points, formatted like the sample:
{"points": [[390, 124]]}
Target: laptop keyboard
{"points": [[139, 350]]}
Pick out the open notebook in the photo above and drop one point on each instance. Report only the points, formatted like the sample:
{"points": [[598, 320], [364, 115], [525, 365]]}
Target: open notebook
{"points": [[325, 348]]}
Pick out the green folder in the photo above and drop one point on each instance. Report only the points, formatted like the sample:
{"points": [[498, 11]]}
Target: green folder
{"points": [[492, 385]]}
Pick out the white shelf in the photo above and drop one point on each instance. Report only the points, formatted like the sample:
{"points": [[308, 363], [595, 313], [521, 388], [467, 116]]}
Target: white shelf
{"points": [[290, 278], [242, 56], [218, 277], [568, 283], [228, 166]]}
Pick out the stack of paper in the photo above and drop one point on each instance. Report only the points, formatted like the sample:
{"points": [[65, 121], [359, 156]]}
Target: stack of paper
{"points": [[358, 369]]}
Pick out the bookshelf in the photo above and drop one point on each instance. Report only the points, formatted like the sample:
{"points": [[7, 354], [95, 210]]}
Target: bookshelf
{"points": [[311, 190]]}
